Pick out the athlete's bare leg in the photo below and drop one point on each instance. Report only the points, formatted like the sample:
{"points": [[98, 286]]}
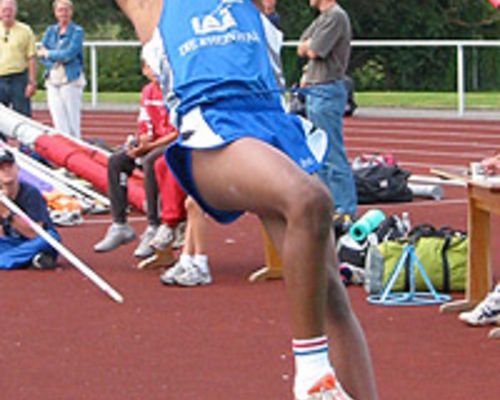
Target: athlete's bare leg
{"points": [[296, 208], [197, 225]]}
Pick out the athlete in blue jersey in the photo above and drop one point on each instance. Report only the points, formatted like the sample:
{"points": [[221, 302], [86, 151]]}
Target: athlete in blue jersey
{"points": [[239, 151]]}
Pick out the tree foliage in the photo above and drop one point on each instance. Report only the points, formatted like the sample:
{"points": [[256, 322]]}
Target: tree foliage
{"points": [[403, 68], [374, 68]]}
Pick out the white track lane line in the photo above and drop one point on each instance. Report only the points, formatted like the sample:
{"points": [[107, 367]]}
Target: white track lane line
{"points": [[414, 204], [422, 153], [107, 221], [418, 124], [390, 131], [433, 143]]}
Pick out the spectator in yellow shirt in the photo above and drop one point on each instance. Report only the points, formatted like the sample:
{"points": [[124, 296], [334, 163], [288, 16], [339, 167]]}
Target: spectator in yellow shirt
{"points": [[17, 60]]}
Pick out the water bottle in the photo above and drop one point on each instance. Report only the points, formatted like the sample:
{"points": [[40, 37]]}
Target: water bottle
{"points": [[366, 224], [374, 271], [405, 219]]}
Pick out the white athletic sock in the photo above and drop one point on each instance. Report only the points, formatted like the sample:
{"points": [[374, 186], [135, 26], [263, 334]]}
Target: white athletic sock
{"points": [[311, 363], [201, 260], [186, 259]]}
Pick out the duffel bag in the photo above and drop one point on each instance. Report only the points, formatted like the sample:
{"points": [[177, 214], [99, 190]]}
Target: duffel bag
{"points": [[442, 252]]}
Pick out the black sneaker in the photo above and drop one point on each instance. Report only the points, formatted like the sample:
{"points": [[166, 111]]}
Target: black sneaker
{"points": [[43, 261]]}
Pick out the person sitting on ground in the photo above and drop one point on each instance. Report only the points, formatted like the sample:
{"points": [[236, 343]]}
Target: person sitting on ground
{"points": [[192, 267], [154, 133], [488, 311], [20, 246], [239, 151]]}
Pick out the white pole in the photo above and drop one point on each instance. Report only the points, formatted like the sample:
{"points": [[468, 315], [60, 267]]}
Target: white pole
{"points": [[460, 80], [96, 279], [56, 179], [93, 71]]}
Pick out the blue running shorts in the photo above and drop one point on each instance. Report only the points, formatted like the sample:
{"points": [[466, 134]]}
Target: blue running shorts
{"points": [[210, 126]]}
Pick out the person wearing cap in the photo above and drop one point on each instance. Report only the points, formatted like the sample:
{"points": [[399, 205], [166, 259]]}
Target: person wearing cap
{"points": [[20, 246], [61, 52], [17, 60], [154, 132]]}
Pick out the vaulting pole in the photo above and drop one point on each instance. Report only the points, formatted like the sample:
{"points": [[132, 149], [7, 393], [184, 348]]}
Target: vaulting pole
{"points": [[75, 261]]}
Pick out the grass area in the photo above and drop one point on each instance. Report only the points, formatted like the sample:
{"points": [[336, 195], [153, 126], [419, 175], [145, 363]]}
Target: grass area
{"points": [[105, 97], [427, 99], [488, 100]]}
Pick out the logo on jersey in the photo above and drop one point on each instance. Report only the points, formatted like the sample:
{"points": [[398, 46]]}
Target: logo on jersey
{"points": [[219, 20]]}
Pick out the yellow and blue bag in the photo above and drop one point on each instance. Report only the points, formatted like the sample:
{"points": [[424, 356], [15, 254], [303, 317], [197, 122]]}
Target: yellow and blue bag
{"points": [[442, 252]]}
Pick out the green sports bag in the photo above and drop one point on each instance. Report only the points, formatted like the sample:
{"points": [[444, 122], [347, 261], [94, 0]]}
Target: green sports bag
{"points": [[442, 252]]}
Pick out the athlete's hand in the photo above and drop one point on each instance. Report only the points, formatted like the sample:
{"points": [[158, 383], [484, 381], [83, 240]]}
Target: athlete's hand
{"points": [[141, 148]]}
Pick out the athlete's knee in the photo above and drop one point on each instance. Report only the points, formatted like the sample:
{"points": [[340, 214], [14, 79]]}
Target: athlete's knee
{"points": [[312, 205], [192, 206], [189, 203]]}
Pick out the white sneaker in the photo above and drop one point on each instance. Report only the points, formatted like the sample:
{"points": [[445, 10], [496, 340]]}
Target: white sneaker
{"points": [[327, 388], [144, 250], [116, 235], [163, 238], [486, 312], [179, 234], [193, 276], [168, 277]]}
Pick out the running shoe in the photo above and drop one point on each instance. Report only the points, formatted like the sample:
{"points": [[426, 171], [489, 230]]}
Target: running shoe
{"points": [[486, 312], [144, 250], [168, 277], [116, 235], [43, 261], [192, 276], [179, 235], [163, 238], [327, 388]]}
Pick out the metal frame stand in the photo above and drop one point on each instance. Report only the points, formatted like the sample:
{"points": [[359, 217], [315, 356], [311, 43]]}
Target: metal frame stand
{"points": [[412, 297]]}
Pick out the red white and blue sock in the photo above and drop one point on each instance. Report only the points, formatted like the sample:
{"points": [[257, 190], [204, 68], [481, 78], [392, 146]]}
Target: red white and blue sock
{"points": [[311, 363]]}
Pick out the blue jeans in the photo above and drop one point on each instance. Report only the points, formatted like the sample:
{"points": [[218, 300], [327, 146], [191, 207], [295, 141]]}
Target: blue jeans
{"points": [[325, 105], [19, 252], [12, 88]]}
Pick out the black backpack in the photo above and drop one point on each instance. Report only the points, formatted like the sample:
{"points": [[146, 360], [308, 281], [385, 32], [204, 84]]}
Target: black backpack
{"points": [[382, 184]]}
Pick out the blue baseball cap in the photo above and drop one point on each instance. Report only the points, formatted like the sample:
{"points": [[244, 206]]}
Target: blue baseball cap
{"points": [[6, 156]]}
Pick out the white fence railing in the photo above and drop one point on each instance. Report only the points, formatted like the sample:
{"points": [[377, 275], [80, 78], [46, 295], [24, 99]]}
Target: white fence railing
{"points": [[458, 44]]}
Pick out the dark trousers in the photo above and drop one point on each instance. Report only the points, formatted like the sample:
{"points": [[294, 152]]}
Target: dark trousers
{"points": [[12, 89], [120, 167]]}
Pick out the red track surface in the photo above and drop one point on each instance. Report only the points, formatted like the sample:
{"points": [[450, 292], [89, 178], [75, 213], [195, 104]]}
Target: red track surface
{"points": [[62, 339]]}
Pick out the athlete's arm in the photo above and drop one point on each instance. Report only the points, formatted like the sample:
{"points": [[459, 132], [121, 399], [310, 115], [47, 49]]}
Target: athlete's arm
{"points": [[143, 14]]}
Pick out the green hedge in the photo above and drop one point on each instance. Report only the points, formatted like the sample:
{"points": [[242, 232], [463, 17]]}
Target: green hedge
{"points": [[400, 69]]}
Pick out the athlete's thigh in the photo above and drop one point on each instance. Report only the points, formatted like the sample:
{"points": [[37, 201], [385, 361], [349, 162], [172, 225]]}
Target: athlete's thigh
{"points": [[250, 175]]}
